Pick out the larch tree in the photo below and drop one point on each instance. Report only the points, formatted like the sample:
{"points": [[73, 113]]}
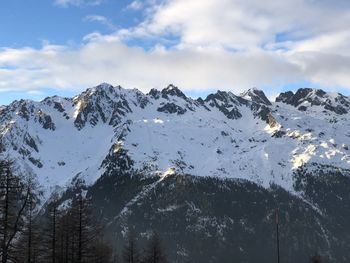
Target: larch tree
{"points": [[16, 196], [154, 252], [130, 251]]}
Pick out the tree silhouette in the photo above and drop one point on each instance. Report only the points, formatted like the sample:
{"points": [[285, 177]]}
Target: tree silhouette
{"points": [[74, 234], [154, 252], [130, 252], [17, 203]]}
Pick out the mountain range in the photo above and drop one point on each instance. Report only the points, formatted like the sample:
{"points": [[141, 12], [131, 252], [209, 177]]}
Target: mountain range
{"points": [[208, 174]]}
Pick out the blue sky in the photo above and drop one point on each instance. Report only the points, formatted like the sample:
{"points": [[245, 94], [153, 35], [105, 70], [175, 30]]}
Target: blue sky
{"points": [[65, 46], [30, 22]]}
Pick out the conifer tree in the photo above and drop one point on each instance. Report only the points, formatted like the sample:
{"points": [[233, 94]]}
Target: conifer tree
{"points": [[154, 252], [29, 246], [130, 252], [77, 237], [16, 194]]}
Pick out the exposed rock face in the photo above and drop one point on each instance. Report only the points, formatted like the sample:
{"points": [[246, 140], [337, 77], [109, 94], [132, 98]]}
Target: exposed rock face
{"points": [[285, 97], [207, 174], [105, 103], [154, 93], [171, 90], [171, 108], [227, 103], [310, 97], [58, 107], [257, 96], [46, 121]]}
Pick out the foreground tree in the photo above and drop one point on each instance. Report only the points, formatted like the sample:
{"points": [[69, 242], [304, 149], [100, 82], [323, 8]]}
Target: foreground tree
{"points": [[29, 246], [130, 251], [115, 256], [154, 252], [90, 246], [318, 259], [17, 202], [50, 231], [73, 234]]}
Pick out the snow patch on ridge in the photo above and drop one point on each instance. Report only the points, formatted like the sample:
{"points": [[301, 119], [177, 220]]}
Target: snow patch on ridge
{"points": [[200, 140]]}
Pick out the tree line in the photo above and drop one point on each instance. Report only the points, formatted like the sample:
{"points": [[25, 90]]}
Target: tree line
{"points": [[64, 232]]}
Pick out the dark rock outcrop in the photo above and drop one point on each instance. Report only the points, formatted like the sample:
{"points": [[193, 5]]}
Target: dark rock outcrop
{"points": [[172, 108]]}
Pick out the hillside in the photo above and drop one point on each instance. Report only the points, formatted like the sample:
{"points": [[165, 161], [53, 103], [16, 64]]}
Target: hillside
{"points": [[207, 173]]}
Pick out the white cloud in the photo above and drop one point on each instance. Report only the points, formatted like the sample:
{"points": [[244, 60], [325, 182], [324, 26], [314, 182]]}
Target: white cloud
{"points": [[135, 5], [36, 93], [100, 19], [226, 44], [335, 42], [107, 59], [66, 3], [243, 24]]}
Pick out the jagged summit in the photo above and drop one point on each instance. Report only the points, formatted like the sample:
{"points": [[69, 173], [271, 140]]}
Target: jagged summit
{"points": [[165, 129], [307, 97], [226, 97], [256, 95], [302, 95], [103, 89], [150, 159], [172, 90], [154, 93]]}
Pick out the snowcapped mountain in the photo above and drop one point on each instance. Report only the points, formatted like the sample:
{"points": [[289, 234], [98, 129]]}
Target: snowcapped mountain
{"points": [[164, 135], [225, 135]]}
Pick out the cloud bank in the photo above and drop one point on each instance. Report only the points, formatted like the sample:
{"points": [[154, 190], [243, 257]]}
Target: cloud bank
{"points": [[198, 45], [67, 3]]}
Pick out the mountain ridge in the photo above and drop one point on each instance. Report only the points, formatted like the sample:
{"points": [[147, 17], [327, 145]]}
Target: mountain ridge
{"points": [[206, 173], [120, 109]]}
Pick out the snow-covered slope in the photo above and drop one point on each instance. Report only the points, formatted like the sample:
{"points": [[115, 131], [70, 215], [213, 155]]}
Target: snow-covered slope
{"points": [[165, 132]]}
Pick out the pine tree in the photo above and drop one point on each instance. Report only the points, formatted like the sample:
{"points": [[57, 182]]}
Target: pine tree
{"points": [[15, 196], [317, 259], [102, 253], [130, 252], [29, 247], [77, 237], [87, 230], [115, 256], [154, 252], [49, 230]]}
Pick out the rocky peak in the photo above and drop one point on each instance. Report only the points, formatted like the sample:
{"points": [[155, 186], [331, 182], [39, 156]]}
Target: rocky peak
{"points": [[23, 108], [103, 90], [227, 98], [103, 102], [256, 95], [304, 94], [154, 93], [172, 90], [2, 110], [105, 87], [227, 103], [285, 97], [305, 97]]}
